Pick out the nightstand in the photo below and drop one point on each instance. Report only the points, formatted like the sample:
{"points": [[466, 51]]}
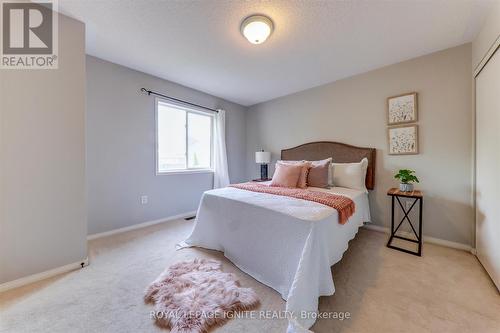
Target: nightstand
{"points": [[418, 197]]}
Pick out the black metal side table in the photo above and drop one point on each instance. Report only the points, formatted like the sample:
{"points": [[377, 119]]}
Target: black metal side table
{"points": [[418, 196]]}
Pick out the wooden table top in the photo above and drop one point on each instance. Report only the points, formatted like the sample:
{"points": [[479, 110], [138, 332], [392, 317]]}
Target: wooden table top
{"points": [[413, 194]]}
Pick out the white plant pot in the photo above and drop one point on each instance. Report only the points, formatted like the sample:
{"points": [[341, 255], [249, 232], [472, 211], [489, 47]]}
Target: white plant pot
{"points": [[406, 187]]}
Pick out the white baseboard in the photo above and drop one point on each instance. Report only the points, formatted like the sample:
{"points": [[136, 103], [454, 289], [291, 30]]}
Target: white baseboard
{"points": [[67, 268], [139, 226], [427, 239], [43, 275]]}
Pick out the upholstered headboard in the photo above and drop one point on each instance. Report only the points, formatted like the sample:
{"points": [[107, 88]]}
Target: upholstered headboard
{"points": [[340, 152]]}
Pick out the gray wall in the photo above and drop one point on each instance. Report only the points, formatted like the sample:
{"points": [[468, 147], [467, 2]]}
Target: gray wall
{"points": [[353, 111], [121, 153], [42, 151]]}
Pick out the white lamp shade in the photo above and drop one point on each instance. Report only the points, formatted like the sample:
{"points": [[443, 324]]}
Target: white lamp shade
{"points": [[262, 157]]}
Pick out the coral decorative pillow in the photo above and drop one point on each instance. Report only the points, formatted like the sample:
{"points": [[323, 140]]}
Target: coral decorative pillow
{"points": [[319, 172], [286, 175], [302, 182]]}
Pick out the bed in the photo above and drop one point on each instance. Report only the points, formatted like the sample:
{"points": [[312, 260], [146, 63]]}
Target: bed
{"points": [[285, 243]]}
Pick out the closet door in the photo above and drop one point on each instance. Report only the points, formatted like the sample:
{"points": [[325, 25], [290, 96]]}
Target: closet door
{"points": [[488, 167]]}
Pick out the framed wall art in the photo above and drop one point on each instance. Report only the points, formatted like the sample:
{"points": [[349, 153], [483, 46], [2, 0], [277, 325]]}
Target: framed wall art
{"points": [[403, 140], [402, 109]]}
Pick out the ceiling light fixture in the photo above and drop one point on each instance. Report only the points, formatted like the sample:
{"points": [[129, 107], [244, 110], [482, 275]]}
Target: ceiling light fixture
{"points": [[257, 28]]}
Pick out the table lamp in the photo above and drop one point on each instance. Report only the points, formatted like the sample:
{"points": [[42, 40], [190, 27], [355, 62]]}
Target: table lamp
{"points": [[263, 158]]}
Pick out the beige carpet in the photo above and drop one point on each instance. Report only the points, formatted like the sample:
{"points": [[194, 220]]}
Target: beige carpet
{"points": [[385, 291]]}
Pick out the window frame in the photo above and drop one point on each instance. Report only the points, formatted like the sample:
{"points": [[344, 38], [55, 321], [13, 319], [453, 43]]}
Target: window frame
{"points": [[187, 110]]}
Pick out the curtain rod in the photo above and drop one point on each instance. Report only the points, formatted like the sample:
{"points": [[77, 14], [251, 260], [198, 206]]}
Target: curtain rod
{"points": [[150, 92]]}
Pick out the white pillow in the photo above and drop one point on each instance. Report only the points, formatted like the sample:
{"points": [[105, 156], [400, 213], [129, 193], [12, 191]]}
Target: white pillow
{"points": [[350, 175]]}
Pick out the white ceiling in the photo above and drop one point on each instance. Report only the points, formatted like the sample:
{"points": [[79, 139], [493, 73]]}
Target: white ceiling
{"points": [[198, 43]]}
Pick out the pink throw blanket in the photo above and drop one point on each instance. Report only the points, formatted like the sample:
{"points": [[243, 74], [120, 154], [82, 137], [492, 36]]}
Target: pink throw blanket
{"points": [[344, 205]]}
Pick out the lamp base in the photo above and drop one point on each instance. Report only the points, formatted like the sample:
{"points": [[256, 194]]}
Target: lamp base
{"points": [[263, 172]]}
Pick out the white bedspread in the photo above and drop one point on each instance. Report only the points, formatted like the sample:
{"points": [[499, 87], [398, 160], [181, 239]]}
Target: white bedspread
{"points": [[286, 243]]}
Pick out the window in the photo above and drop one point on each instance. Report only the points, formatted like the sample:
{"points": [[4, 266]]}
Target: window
{"points": [[184, 138]]}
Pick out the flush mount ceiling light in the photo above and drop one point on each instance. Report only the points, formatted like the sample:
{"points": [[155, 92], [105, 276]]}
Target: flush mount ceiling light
{"points": [[257, 28]]}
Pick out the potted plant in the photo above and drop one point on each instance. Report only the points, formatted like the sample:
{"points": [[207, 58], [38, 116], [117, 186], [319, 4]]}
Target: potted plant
{"points": [[406, 178]]}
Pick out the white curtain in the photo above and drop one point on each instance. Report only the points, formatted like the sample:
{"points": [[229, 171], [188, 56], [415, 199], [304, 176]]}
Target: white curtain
{"points": [[221, 174]]}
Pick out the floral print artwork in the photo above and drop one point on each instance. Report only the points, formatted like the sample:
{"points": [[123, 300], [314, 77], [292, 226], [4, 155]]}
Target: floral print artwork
{"points": [[403, 140], [402, 109]]}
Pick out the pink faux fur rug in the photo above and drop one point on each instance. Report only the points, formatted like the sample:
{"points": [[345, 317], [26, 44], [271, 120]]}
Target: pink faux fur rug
{"points": [[192, 296]]}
